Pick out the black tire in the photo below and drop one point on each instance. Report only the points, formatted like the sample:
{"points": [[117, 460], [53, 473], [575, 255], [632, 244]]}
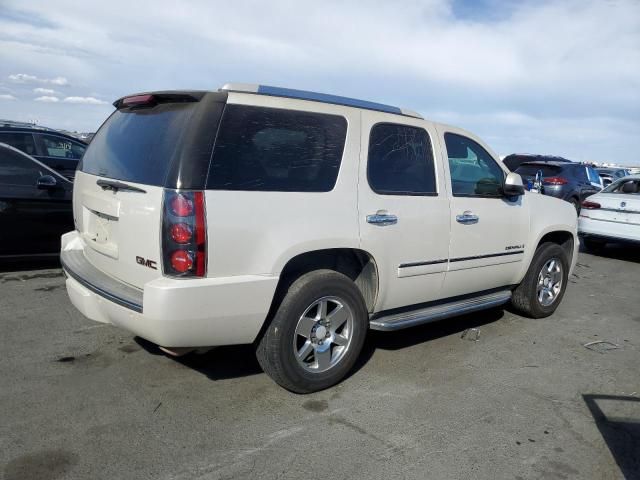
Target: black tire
{"points": [[525, 296], [275, 349], [593, 244]]}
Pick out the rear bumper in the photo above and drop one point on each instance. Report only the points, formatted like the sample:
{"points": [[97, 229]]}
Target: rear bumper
{"points": [[608, 230], [170, 312]]}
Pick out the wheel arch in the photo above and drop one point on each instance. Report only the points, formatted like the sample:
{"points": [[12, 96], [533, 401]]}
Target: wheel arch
{"points": [[359, 265]]}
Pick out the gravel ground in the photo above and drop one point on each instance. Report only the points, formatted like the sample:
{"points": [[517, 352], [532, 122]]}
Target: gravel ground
{"points": [[516, 398]]}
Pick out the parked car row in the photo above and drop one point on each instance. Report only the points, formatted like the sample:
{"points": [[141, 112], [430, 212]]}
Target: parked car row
{"points": [[57, 150]]}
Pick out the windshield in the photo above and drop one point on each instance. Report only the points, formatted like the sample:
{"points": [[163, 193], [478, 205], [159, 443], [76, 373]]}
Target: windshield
{"points": [[619, 186]]}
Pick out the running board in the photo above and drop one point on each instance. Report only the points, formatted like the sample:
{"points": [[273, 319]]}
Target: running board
{"points": [[398, 321]]}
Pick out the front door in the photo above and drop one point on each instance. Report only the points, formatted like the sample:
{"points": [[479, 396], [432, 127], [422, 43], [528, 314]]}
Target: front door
{"points": [[488, 231], [403, 209]]}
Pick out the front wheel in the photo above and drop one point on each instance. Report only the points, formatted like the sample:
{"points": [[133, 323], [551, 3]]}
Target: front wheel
{"points": [[316, 334], [543, 286]]}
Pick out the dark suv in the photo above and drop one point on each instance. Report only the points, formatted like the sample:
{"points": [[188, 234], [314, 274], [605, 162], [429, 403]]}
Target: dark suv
{"points": [[566, 180], [55, 149]]}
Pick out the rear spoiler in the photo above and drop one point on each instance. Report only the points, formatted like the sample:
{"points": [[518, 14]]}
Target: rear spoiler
{"points": [[153, 98]]}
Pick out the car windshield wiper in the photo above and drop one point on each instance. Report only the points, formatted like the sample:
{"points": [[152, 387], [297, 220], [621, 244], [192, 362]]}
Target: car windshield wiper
{"points": [[115, 186]]}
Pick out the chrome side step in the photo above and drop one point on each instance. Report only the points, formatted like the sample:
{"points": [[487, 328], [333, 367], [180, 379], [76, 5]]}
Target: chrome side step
{"points": [[398, 321]]}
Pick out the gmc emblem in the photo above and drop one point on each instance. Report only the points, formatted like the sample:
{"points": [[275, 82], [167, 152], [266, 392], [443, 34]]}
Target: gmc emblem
{"points": [[146, 263]]}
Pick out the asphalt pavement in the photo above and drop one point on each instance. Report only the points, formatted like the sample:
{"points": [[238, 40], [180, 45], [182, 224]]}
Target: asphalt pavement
{"points": [[490, 395]]}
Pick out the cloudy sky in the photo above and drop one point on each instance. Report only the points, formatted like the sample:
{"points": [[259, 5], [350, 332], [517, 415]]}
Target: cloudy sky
{"points": [[560, 77]]}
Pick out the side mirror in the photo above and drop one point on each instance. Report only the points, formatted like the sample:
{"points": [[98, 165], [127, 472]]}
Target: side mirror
{"points": [[513, 186], [46, 182]]}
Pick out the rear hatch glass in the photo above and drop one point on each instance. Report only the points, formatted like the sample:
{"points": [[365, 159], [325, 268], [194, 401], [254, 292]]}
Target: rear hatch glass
{"points": [[138, 145], [531, 170]]}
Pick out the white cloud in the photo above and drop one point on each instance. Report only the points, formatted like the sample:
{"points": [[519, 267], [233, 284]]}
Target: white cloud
{"points": [[47, 99], [7, 96], [26, 78], [44, 91], [84, 100]]}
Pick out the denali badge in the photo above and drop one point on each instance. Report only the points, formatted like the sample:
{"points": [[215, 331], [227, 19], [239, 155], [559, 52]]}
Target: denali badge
{"points": [[146, 263], [514, 247]]}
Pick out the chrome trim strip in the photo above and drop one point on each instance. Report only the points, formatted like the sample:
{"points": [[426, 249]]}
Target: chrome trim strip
{"points": [[438, 312], [77, 267], [478, 257], [421, 264]]}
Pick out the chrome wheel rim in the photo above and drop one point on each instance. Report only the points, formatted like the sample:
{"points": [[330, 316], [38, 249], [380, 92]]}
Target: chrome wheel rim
{"points": [[323, 334], [549, 282]]}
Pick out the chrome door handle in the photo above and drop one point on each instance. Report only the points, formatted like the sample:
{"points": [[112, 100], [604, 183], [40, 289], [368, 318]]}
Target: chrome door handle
{"points": [[467, 218], [382, 219]]}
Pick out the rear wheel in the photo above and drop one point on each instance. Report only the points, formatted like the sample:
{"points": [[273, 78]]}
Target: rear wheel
{"points": [[543, 286], [316, 334]]}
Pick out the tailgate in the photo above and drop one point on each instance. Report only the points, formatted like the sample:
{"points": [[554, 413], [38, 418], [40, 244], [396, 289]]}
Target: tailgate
{"points": [[121, 228]]}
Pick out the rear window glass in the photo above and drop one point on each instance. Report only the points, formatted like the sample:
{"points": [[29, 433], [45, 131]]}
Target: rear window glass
{"points": [[138, 145], [271, 149], [62, 147], [532, 170]]}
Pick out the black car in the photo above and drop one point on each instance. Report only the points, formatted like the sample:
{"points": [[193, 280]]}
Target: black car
{"points": [[514, 160], [568, 181], [35, 205], [55, 149]]}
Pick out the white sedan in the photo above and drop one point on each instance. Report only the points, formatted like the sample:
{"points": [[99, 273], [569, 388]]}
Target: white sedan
{"points": [[613, 215]]}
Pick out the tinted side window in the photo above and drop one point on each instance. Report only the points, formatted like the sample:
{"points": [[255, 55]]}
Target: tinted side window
{"points": [[16, 169], [61, 147], [270, 149], [21, 141], [400, 160], [473, 171]]}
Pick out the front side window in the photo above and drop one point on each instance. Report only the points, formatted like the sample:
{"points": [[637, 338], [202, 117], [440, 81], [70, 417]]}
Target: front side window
{"points": [[268, 149], [400, 160], [19, 140], [17, 169], [60, 147], [473, 171]]}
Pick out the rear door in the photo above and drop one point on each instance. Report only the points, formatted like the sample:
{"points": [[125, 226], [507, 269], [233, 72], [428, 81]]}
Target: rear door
{"points": [[403, 208], [120, 184], [60, 153]]}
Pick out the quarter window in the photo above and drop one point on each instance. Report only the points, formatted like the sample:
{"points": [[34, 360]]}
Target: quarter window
{"points": [[400, 160], [473, 171], [270, 149]]}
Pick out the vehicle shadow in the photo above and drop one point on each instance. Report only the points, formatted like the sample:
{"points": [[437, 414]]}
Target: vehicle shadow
{"points": [[220, 363], [625, 252], [236, 361], [621, 433], [28, 264]]}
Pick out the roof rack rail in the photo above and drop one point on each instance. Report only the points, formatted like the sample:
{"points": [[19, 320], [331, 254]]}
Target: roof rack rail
{"points": [[317, 97]]}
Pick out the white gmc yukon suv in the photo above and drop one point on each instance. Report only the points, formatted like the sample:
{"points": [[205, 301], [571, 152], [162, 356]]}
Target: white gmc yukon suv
{"points": [[297, 221]]}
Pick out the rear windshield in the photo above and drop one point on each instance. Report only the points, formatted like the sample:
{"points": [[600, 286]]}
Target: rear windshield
{"points": [[532, 170], [138, 145]]}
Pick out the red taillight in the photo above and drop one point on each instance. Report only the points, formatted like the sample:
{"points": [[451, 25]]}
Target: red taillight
{"points": [[590, 205], [181, 205], [555, 181], [181, 232], [184, 234], [181, 261], [138, 100]]}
